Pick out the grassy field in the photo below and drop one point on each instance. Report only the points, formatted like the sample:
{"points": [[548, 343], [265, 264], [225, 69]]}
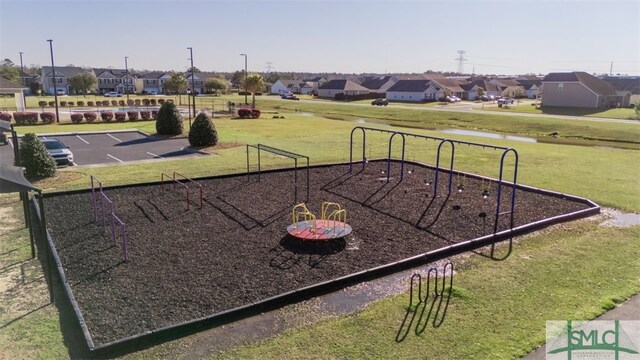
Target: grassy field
{"points": [[560, 274], [617, 113]]}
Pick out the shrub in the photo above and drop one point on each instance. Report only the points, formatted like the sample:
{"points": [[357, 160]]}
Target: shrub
{"points": [[203, 132], [145, 102], [138, 102], [5, 116], [24, 118], [114, 102], [48, 117], [145, 115], [70, 103], [160, 101], [90, 103], [35, 158], [120, 115], [244, 93], [76, 118], [154, 114], [90, 116], [81, 103], [121, 102], [246, 113], [42, 103], [63, 103], [130, 102], [106, 116], [132, 114], [52, 103], [105, 102], [169, 120]]}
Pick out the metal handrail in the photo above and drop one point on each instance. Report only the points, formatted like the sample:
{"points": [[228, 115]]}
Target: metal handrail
{"points": [[191, 180]]}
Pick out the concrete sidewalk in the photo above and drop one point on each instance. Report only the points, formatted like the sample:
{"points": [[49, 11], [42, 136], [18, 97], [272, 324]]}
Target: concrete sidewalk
{"points": [[629, 310]]}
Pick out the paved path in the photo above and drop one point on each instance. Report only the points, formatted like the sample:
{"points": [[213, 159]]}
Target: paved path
{"points": [[629, 310]]}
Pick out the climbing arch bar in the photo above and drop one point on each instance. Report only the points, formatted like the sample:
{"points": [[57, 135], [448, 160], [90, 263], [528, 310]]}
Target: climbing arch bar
{"points": [[284, 153], [513, 189]]}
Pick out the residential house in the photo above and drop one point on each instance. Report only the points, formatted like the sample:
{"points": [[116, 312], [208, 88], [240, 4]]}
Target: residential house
{"points": [[199, 78], [443, 87], [9, 87], [410, 90], [345, 87], [508, 87], [579, 89], [63, 78], [379, 84], [153, 82], [311, 85], [626, 86], [531, 87], [119, 80], [284, 86], [26, 80]]}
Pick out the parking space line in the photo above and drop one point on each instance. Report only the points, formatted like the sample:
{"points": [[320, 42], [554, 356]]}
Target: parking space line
{"points": [[85, 141], [114, 158], [118, 140], [154, 155]]}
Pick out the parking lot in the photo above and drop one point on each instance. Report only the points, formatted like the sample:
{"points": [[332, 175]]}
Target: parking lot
{"points": [[117, 147]]}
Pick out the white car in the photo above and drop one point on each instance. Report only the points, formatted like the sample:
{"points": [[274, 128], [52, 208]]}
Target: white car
{"points": [[59, 151], [113, 94]]}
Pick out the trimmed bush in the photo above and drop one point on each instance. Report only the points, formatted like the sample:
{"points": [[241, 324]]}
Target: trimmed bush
{"points": [[145, 115], [145, 102], [52, 103], [106, 116], [76, 118], [248, 113], [203, 132], [48, 117], [137, 102], [130, 102], [154, 114], [120, 115], [63, 103], [121, 102], [35, 158], [133, 115], [160, 101], [42, 103], [105, 102], [25, 118], [169, 120], [114, 102], [70, 103], [90, 103], [90, 116], [153, 102], [5, 116], [81, 103]]}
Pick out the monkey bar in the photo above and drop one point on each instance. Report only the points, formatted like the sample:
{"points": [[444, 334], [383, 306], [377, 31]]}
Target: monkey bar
{"points": [[284, 153]]}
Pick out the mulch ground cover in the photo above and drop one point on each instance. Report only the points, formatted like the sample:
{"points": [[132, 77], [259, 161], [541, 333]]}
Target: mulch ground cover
{"points": [[188, 264]]}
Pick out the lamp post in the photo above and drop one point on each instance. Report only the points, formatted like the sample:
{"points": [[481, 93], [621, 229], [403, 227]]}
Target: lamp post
{"points": [[245, 77], [22, 69], [193, 86], [55, 86], [126, 78]]}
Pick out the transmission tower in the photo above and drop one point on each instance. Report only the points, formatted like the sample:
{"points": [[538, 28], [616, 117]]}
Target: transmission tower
{"points": [[269, 66], [460, 59]]}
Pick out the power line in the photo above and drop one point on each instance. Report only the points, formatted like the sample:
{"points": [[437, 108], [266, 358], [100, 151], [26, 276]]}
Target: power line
{"points": [[461, 61]]}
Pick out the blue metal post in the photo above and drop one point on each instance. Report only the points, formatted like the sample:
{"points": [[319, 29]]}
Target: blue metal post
{"points": [[364, 139], [435, 182], [513, 190]]}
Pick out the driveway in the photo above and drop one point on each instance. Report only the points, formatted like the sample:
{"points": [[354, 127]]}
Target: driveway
{"points": [[100, 148]]}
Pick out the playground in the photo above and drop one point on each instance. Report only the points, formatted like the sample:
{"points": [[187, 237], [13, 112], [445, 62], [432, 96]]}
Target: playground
{"points": [[197, 249]]}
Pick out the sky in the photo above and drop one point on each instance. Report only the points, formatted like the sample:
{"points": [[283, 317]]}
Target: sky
{"points": [[347, 36]]}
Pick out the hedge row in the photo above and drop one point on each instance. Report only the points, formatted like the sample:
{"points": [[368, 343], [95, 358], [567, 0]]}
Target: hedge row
{"points": [[136, 102], [31, 118]]}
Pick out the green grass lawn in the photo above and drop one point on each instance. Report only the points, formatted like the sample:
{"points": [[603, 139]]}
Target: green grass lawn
{"points": [[617, 113], [576, 270]]}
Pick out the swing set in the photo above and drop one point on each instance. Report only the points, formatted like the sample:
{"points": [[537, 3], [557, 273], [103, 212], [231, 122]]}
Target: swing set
{"points": [[461, 176]]}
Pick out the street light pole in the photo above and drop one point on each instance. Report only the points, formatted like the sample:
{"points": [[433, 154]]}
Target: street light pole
{"points": [[245, 77], [22, 69], [55, 86], [126, 77], [193, 85]]}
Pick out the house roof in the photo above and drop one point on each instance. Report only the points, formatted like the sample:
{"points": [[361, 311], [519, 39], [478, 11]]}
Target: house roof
{"points": [[528, 84], [346, 85], [315, 79], [410, 86], [631, 84], [202, 75], [153, 75], [6, 84], [68, 71], [596, 85], [376, 82], [450, 84], [506, 82], [114, 72]]}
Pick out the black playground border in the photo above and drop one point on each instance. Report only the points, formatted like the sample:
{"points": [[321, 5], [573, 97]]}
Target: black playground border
{"points": [[160, 335]]}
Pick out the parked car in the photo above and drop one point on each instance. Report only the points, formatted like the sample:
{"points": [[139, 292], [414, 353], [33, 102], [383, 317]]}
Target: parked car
{"points": [[59, 151], [3, 138], [113, 94], [290, 97], [380, 102]]}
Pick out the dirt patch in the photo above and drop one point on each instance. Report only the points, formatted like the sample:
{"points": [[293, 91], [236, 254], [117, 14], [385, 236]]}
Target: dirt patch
{"points": [[187, 264], [61, 177], [219, 146]]}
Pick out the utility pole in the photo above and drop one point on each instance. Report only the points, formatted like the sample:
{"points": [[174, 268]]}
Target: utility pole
{"points": [[269, 66], [461, 61], [22, 70], [193, 86], [55, 86], [126, 77], [611, 69], [245, 78]]}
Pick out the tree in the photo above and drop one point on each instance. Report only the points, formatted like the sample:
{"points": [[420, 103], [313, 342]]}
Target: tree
{"points": [[9, 71], [237, 79], [83, 82], [272, 77], [195, 69], [35, 157], [254, 84], [480, 91], [203, 132], [169, 120], [216, 85], [35, 86], [177, 83]]}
